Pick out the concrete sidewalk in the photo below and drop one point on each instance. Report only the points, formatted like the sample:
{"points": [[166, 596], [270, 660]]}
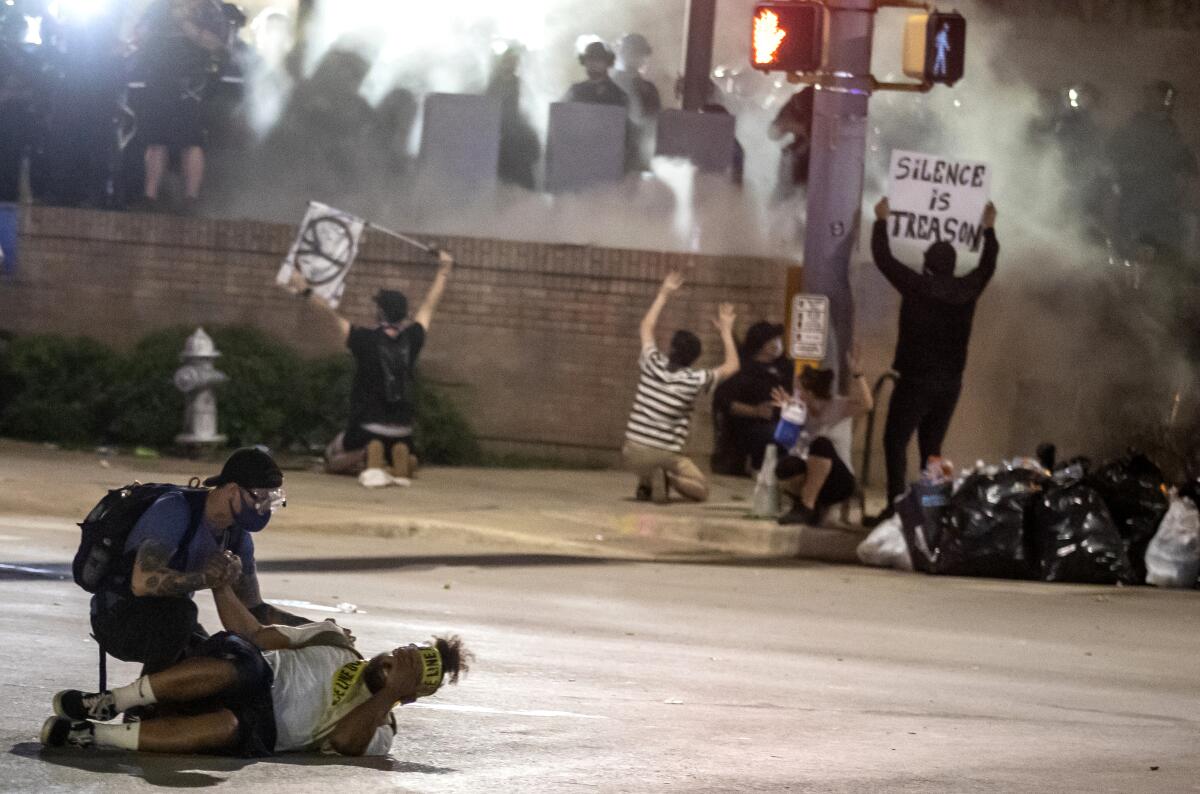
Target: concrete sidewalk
{"points": [[581, 512]]}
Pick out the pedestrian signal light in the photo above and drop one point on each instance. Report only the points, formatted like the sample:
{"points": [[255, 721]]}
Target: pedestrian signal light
{"points": [[935, 47], [787, 36]]}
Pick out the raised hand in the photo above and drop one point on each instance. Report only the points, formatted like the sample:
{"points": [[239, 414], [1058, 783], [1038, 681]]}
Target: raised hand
{"points": [[989, 216], [883, 209], [726, 317], [672, 282]]}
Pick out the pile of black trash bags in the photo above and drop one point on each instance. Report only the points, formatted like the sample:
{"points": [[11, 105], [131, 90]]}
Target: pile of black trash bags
{"points": [[1076, 523]]}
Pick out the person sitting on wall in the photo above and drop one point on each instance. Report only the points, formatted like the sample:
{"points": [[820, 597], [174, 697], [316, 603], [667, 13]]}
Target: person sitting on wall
{"points": [[744, 415], [255, 690], [666, 393], [813, 473], [382, 397], [598, 88]]}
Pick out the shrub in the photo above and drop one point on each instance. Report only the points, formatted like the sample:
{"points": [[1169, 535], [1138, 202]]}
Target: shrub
{"points": [[60, 389], [77, 391]]}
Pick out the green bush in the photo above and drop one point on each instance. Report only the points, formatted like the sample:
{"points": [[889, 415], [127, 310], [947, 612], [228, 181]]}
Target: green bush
{"points": [[58, 389], [79, 392]]}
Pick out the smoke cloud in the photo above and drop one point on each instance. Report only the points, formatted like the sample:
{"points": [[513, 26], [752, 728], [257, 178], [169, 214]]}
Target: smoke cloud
{"points": [[1065, 346]]}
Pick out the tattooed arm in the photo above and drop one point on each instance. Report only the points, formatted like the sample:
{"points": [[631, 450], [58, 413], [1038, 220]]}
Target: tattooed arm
{"points": [[153, 577], [249, 594]]}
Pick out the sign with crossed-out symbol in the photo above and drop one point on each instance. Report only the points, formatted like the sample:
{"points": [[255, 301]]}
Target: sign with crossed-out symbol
{"points": [[323, 251]]}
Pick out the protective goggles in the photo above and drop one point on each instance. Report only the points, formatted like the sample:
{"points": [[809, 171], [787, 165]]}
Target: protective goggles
{"points": [[266, 500]]}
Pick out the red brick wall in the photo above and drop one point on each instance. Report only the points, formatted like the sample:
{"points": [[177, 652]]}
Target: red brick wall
{"points": [[537, 343]]}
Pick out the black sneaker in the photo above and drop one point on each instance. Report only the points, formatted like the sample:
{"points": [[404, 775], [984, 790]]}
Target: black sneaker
{"points": [[643, 492], [62, 732], [870, 522], [76, 705], [800, 515]]}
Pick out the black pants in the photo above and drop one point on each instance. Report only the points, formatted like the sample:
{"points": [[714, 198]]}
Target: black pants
{"points": [[923, 406], [154, 631], [840, 484]]}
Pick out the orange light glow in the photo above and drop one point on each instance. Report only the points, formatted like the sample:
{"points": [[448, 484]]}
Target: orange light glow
{"points": [[767, 36]]}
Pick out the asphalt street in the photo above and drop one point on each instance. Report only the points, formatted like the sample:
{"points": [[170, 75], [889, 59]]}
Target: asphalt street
{"points": [[617, 675]]}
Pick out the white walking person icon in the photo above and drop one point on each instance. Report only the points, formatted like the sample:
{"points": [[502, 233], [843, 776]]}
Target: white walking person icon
{"points": [[942, 43]]}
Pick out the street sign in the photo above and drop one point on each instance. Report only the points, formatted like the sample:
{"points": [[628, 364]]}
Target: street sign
{"points": [[937, 198], [809, 332]]}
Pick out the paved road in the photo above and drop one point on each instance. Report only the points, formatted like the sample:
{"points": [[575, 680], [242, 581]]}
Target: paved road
{"points": [[627, 676]]}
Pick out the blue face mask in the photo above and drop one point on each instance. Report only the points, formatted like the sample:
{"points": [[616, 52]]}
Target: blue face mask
{"points": [[249, 519]]}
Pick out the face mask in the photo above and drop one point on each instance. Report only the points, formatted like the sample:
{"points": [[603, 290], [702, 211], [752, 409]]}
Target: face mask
{"points": [[249, 519], [775, 349]]}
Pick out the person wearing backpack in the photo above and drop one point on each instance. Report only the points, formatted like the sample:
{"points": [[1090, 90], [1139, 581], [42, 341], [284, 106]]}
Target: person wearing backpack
{"points": [[175, 540], [382, 397]]}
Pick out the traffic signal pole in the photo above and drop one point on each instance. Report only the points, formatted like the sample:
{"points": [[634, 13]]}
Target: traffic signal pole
{"points": [[836, 164], [698, 49]]}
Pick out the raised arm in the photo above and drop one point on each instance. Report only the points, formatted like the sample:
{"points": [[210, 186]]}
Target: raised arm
{"points": [[974, 282], [299, 286], [860, 391], [671, 284], [424, 314], [903, 278], [724, 323]]}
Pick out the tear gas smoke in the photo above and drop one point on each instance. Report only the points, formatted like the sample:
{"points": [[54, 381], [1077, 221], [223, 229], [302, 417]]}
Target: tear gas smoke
{"points": [[1056, 343]]}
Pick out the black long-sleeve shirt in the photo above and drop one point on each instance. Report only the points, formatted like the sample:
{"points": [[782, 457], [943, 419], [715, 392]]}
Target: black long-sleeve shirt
{"points": [[936, 311]]}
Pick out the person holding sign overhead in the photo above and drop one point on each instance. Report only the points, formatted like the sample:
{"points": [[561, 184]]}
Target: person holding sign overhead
{"points": [[937, 310]]}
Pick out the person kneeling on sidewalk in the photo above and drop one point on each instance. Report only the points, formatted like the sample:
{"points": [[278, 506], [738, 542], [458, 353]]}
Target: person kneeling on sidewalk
{"points": [[813, 473], [256, 690], [666, 393]]}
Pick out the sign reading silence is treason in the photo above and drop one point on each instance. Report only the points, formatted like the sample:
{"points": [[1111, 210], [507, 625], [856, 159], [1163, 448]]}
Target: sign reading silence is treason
{"points": [[937, 198]]}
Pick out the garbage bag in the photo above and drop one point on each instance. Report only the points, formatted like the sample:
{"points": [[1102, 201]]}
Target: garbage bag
{"points": [[921, 513], [1173, 556], [1076, 538], [1136, 495], [985, 527], [885, 547]]}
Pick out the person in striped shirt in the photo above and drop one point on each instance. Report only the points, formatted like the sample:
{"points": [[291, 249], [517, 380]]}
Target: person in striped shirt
{"points": [[666, 392]]}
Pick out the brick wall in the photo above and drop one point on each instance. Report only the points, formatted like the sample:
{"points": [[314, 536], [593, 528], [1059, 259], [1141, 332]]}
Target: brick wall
{"points": [[537, 343]]}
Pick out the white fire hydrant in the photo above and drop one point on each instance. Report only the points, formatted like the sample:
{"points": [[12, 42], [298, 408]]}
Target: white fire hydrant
{"points": [[197, 379]]}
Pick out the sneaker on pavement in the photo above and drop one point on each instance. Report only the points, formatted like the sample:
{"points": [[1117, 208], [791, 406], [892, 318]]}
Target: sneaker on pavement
{"points": [[800, 515], [76, 705], [642, 494], [870, 522], [62, 732]]}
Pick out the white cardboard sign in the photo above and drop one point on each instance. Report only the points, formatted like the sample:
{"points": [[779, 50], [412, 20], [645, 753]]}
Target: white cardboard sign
{"points": [[937, 198], [809, 334]]}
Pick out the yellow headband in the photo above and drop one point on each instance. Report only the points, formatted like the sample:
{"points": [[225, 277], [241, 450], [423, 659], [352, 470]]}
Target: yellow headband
{"points": [[431, 671]]}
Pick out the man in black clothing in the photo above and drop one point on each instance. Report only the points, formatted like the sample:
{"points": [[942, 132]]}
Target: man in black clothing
{"points": [[937, 310], [744, 415], [598, 88], [382, 405]]}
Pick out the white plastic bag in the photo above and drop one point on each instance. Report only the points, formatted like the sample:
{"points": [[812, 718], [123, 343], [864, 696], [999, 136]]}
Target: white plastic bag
{"points": [[1173, 557], [885, 547]]}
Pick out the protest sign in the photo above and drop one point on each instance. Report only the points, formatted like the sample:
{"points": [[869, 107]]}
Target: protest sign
{"points": [[323, 252], [937, 198]]}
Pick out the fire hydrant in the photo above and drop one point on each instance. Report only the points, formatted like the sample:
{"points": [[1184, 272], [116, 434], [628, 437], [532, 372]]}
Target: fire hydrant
{"points": [[197, 379]]}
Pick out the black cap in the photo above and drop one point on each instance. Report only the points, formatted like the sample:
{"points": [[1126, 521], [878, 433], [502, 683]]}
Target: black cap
{"points": [[393, 304], [250, 468], [759, 334]]}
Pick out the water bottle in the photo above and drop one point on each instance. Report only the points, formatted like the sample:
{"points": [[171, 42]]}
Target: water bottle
{"points": [[766, 487], [791, 425]]}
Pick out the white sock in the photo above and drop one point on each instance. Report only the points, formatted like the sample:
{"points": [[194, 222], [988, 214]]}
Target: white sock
{"points": [[123, 736], [138, 693]]}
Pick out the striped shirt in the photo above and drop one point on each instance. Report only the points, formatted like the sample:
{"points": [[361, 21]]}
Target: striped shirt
{"points": [[664, 401]]}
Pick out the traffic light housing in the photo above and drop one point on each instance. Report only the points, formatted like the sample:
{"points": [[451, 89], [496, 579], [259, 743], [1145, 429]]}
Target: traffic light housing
{"points": [[787, 36], [935, 47]]}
